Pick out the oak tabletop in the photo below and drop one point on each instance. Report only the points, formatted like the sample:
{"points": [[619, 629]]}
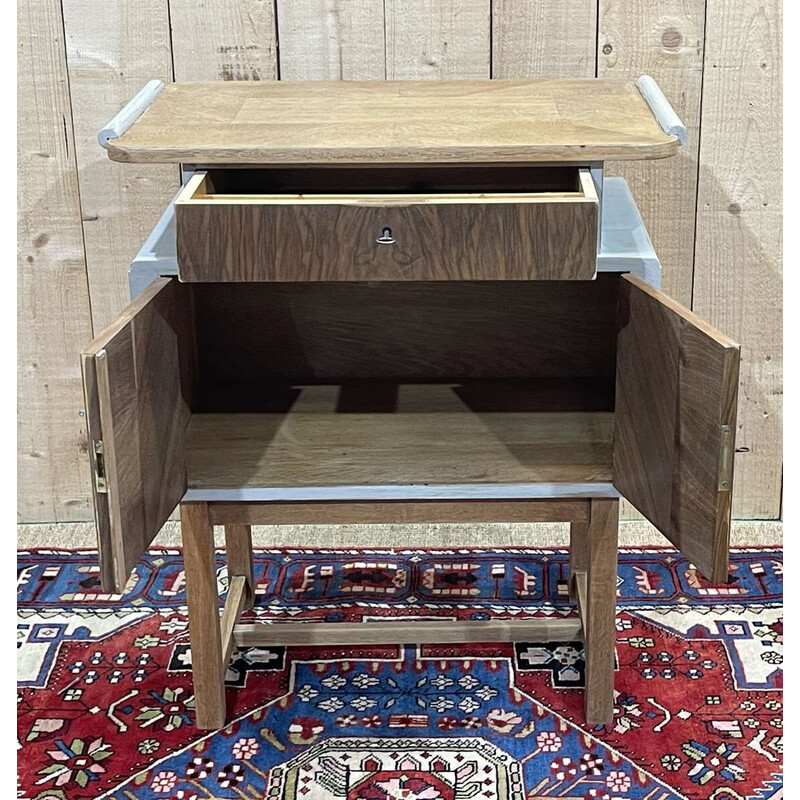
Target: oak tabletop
{"points": [[352, 122]]}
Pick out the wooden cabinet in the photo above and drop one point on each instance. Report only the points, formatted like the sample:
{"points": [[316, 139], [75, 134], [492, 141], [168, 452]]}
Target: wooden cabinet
{"points": [[470, 391], [412, 324]]}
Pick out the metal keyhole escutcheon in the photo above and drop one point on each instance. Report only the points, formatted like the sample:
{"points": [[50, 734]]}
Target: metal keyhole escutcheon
{"points": [[385, 237]]}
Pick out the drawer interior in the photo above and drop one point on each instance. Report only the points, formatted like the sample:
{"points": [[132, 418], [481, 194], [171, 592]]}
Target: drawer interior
{"points": [[320, 385], [430, 182]]}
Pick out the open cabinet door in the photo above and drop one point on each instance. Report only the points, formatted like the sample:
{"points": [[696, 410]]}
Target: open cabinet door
{"points": [[137, 385], [674, 423]]}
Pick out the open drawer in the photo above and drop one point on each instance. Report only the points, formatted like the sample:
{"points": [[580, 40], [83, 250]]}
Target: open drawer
{"points": [[497, 222], [302, 392]]}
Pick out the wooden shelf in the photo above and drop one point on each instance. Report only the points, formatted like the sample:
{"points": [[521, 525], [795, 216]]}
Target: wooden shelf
{"points": [[423, 442], [297, 122]]}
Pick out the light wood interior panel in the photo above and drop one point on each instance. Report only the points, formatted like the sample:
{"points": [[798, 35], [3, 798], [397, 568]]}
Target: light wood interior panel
{"points": [[427, 435]]}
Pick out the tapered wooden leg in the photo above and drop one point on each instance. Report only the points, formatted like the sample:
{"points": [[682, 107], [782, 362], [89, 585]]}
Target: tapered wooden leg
{"points": [[208, 671], [578, 553], [601, 596], [239, 546]]}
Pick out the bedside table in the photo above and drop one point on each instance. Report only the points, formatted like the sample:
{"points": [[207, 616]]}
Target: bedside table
{"points": [[403, 302]]}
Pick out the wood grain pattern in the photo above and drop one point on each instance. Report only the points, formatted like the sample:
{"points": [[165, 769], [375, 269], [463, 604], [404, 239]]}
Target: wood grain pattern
{"points": [[662, 38], [430, 436], [113, 48], [737, 280], [579, 594], [601, 603], [368, 513], [437, 39], [137, 368], [235, 603], [223, 40], [543, 40], [332, 40], [208, 670], [452, 631], [676, 388], [52, 298], [395, 121], [475, 236], [251, 337], [239, 555], [578, 553]]}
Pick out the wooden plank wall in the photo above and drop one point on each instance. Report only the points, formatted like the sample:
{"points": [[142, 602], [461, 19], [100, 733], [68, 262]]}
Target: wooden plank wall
{"points": [[713, 212]]}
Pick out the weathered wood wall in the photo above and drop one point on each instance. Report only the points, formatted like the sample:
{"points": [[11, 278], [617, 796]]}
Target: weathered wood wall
{"points": [[713, 212]]}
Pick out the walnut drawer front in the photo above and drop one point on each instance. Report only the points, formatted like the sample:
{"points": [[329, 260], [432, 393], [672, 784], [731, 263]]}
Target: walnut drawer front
{"points": [[362, 224]]}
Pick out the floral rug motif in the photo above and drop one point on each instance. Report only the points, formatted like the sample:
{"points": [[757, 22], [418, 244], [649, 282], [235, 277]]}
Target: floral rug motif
{"points": [[106, 707]]}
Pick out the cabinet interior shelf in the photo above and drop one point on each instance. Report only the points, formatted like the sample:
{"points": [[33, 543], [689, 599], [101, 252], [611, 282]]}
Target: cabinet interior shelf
{"points": [[399, 441]]}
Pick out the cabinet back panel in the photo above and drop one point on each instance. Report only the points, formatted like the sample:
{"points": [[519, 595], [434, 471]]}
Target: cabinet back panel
{"points": [[256, 336]]}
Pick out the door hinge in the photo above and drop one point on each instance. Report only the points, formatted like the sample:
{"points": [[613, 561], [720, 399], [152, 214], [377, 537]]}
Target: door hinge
{"points": [[725, 471], [100, 484]]}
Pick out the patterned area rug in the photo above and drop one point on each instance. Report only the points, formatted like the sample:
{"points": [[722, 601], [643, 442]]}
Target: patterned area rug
{"points": [[106, 706]]}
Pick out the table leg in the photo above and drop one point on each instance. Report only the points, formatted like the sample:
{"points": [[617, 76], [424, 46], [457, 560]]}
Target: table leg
{"points": [[239, 547], [578, 553], [601, 590], [208, 671]]}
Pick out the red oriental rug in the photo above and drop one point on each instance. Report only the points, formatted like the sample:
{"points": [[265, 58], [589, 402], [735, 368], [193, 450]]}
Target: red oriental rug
{"points": [[106, 705]]}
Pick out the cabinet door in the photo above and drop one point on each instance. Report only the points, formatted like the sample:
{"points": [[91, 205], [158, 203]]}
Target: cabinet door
{"points": [[674, 423], [137, 385]]}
